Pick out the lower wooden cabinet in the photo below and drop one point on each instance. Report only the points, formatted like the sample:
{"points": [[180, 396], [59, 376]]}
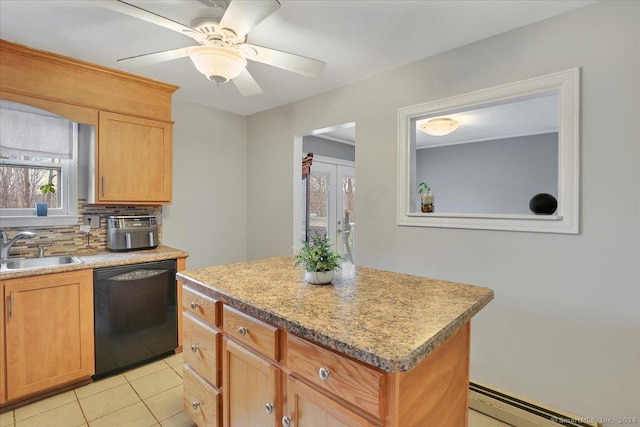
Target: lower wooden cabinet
{"points": [[272, 378], [48, 323], [307, 407], [3, 385], [201, 400], [251, 388], [202, 358], [201, 349]]}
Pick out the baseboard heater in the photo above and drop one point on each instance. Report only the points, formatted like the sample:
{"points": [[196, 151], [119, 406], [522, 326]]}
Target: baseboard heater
{"points": [[519, 412]]}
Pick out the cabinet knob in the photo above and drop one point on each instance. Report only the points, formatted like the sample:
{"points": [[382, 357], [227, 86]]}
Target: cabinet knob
{"points": [[195, 404], [268, 408], [195, 304], [286, 421], [242, 330], [323, 373], [194, 347]]}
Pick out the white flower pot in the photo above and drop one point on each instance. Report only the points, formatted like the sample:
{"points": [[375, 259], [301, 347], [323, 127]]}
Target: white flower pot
{"points": [[319, 277]]}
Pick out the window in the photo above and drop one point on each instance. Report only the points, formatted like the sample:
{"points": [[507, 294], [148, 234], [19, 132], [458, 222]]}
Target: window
{"points": [[495, 166], [36, 148]]}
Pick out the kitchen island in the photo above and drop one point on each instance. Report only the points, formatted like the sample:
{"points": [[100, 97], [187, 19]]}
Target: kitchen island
{"points": [[376, 348]]}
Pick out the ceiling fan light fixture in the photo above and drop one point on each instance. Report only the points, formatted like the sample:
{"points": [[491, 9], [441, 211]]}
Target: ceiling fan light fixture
{"points": [[440, 126], [218, 64]]}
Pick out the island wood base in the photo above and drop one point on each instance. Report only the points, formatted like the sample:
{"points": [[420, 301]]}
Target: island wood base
{"points": [[436, 392], [281, 370]]}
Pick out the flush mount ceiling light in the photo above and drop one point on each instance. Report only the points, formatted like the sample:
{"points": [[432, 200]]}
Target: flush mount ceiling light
{"points": [[439, 127], [217, 63]]}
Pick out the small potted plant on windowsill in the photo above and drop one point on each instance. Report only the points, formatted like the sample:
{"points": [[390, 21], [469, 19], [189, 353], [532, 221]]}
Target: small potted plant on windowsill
{"points": [[318, 260], [42, 207], [426, 197]]}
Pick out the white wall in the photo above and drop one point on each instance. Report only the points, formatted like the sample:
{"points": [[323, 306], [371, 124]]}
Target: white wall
{"points": [[498, 176], [208, 215], [327, 148], [564, 327]]}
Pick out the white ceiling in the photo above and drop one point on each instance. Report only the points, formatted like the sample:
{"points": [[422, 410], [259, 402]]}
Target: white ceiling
{"points": [[514, 118], [356, 38]]}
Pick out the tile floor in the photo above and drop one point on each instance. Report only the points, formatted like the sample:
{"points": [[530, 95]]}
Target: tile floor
{"points": [[144, 397]]}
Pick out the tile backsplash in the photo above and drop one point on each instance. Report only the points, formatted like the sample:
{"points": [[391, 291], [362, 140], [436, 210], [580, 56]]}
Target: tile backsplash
{"points": [[69, 239]]}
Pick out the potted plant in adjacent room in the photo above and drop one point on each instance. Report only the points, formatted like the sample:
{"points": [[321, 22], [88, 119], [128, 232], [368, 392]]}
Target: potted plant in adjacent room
{"points": [[426, 197], [318, 260], [42, 207]]}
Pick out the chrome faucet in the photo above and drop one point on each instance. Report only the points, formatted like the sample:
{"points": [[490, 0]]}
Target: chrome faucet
{"points": [[5, 245]]}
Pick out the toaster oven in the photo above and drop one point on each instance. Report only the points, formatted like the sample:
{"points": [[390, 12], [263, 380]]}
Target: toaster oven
{"points": [[132, 232]]}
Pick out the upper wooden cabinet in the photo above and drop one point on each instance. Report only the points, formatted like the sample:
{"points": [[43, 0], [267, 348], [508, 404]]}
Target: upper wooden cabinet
{"points": [[45, 75], [133, 160], [132, 115]]}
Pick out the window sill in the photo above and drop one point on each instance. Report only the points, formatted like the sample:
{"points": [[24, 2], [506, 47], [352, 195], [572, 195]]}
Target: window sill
{"points": [[38, 221]]}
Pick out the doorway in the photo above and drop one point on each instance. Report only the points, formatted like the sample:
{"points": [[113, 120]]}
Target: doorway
{"points": [[332, 187], [325, 199]]}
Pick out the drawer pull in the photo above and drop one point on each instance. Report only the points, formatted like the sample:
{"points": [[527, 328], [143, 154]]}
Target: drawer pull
{"points": [[195, 404], [242, 330], [323, 373], [194, 347], [268, 408], [286, 421], [195, 304]]}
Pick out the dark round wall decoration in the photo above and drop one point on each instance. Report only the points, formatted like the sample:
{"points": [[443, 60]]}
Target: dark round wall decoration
{"points": [[543, 204]]}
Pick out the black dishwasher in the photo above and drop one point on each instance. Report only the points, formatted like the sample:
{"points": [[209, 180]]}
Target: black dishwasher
{"points": [[135, 316]]}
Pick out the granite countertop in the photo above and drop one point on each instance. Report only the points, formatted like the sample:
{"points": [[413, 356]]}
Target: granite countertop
{"points": [[102, 259], [388, 320]]}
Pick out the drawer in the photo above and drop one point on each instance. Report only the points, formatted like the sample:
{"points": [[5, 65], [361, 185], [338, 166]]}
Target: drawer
{"points": [[252, 332], [360, 385], [201, 348], [201, 401], [206, 308]]}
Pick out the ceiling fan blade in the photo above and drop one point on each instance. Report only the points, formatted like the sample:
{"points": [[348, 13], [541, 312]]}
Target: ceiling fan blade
{"points": [[246, 84], [288, 61], [145, 15], [242, 15], [155, 57]]}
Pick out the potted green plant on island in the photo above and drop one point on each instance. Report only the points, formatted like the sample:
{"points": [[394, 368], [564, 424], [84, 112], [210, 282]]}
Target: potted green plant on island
{"points": [[318, 260], [426, 197], [42, 207]]}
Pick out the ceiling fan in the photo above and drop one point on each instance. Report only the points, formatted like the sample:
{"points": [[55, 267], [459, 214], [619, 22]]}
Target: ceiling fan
{"points": [[223, 51]]}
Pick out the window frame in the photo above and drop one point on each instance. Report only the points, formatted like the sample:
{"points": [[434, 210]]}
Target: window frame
{"points": [[67, 214], [565, 221]]}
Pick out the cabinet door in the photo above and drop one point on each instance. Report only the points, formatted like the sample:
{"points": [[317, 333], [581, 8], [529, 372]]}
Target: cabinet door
{"points": [[307, 407], [49, 331], [3, 371], [251, 389], [134, 160]]}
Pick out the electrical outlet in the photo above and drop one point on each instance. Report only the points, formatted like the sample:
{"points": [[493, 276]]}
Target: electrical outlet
{"points": [[92, 220]]}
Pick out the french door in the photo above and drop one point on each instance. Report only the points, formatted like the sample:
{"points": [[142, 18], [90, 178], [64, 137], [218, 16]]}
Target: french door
{"points": [[332, 188]]}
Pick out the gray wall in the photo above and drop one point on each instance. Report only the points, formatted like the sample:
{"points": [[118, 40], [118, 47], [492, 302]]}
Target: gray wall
{"points": [[497, 176], [328, 148], [208, 215], [563, 328]]}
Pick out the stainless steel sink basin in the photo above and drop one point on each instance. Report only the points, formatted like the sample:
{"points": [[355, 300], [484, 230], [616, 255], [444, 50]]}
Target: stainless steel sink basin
{"points": [[17, 264]]}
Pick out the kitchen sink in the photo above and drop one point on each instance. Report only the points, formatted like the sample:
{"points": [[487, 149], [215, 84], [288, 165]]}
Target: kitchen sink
{"points": [[17, 264]]}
